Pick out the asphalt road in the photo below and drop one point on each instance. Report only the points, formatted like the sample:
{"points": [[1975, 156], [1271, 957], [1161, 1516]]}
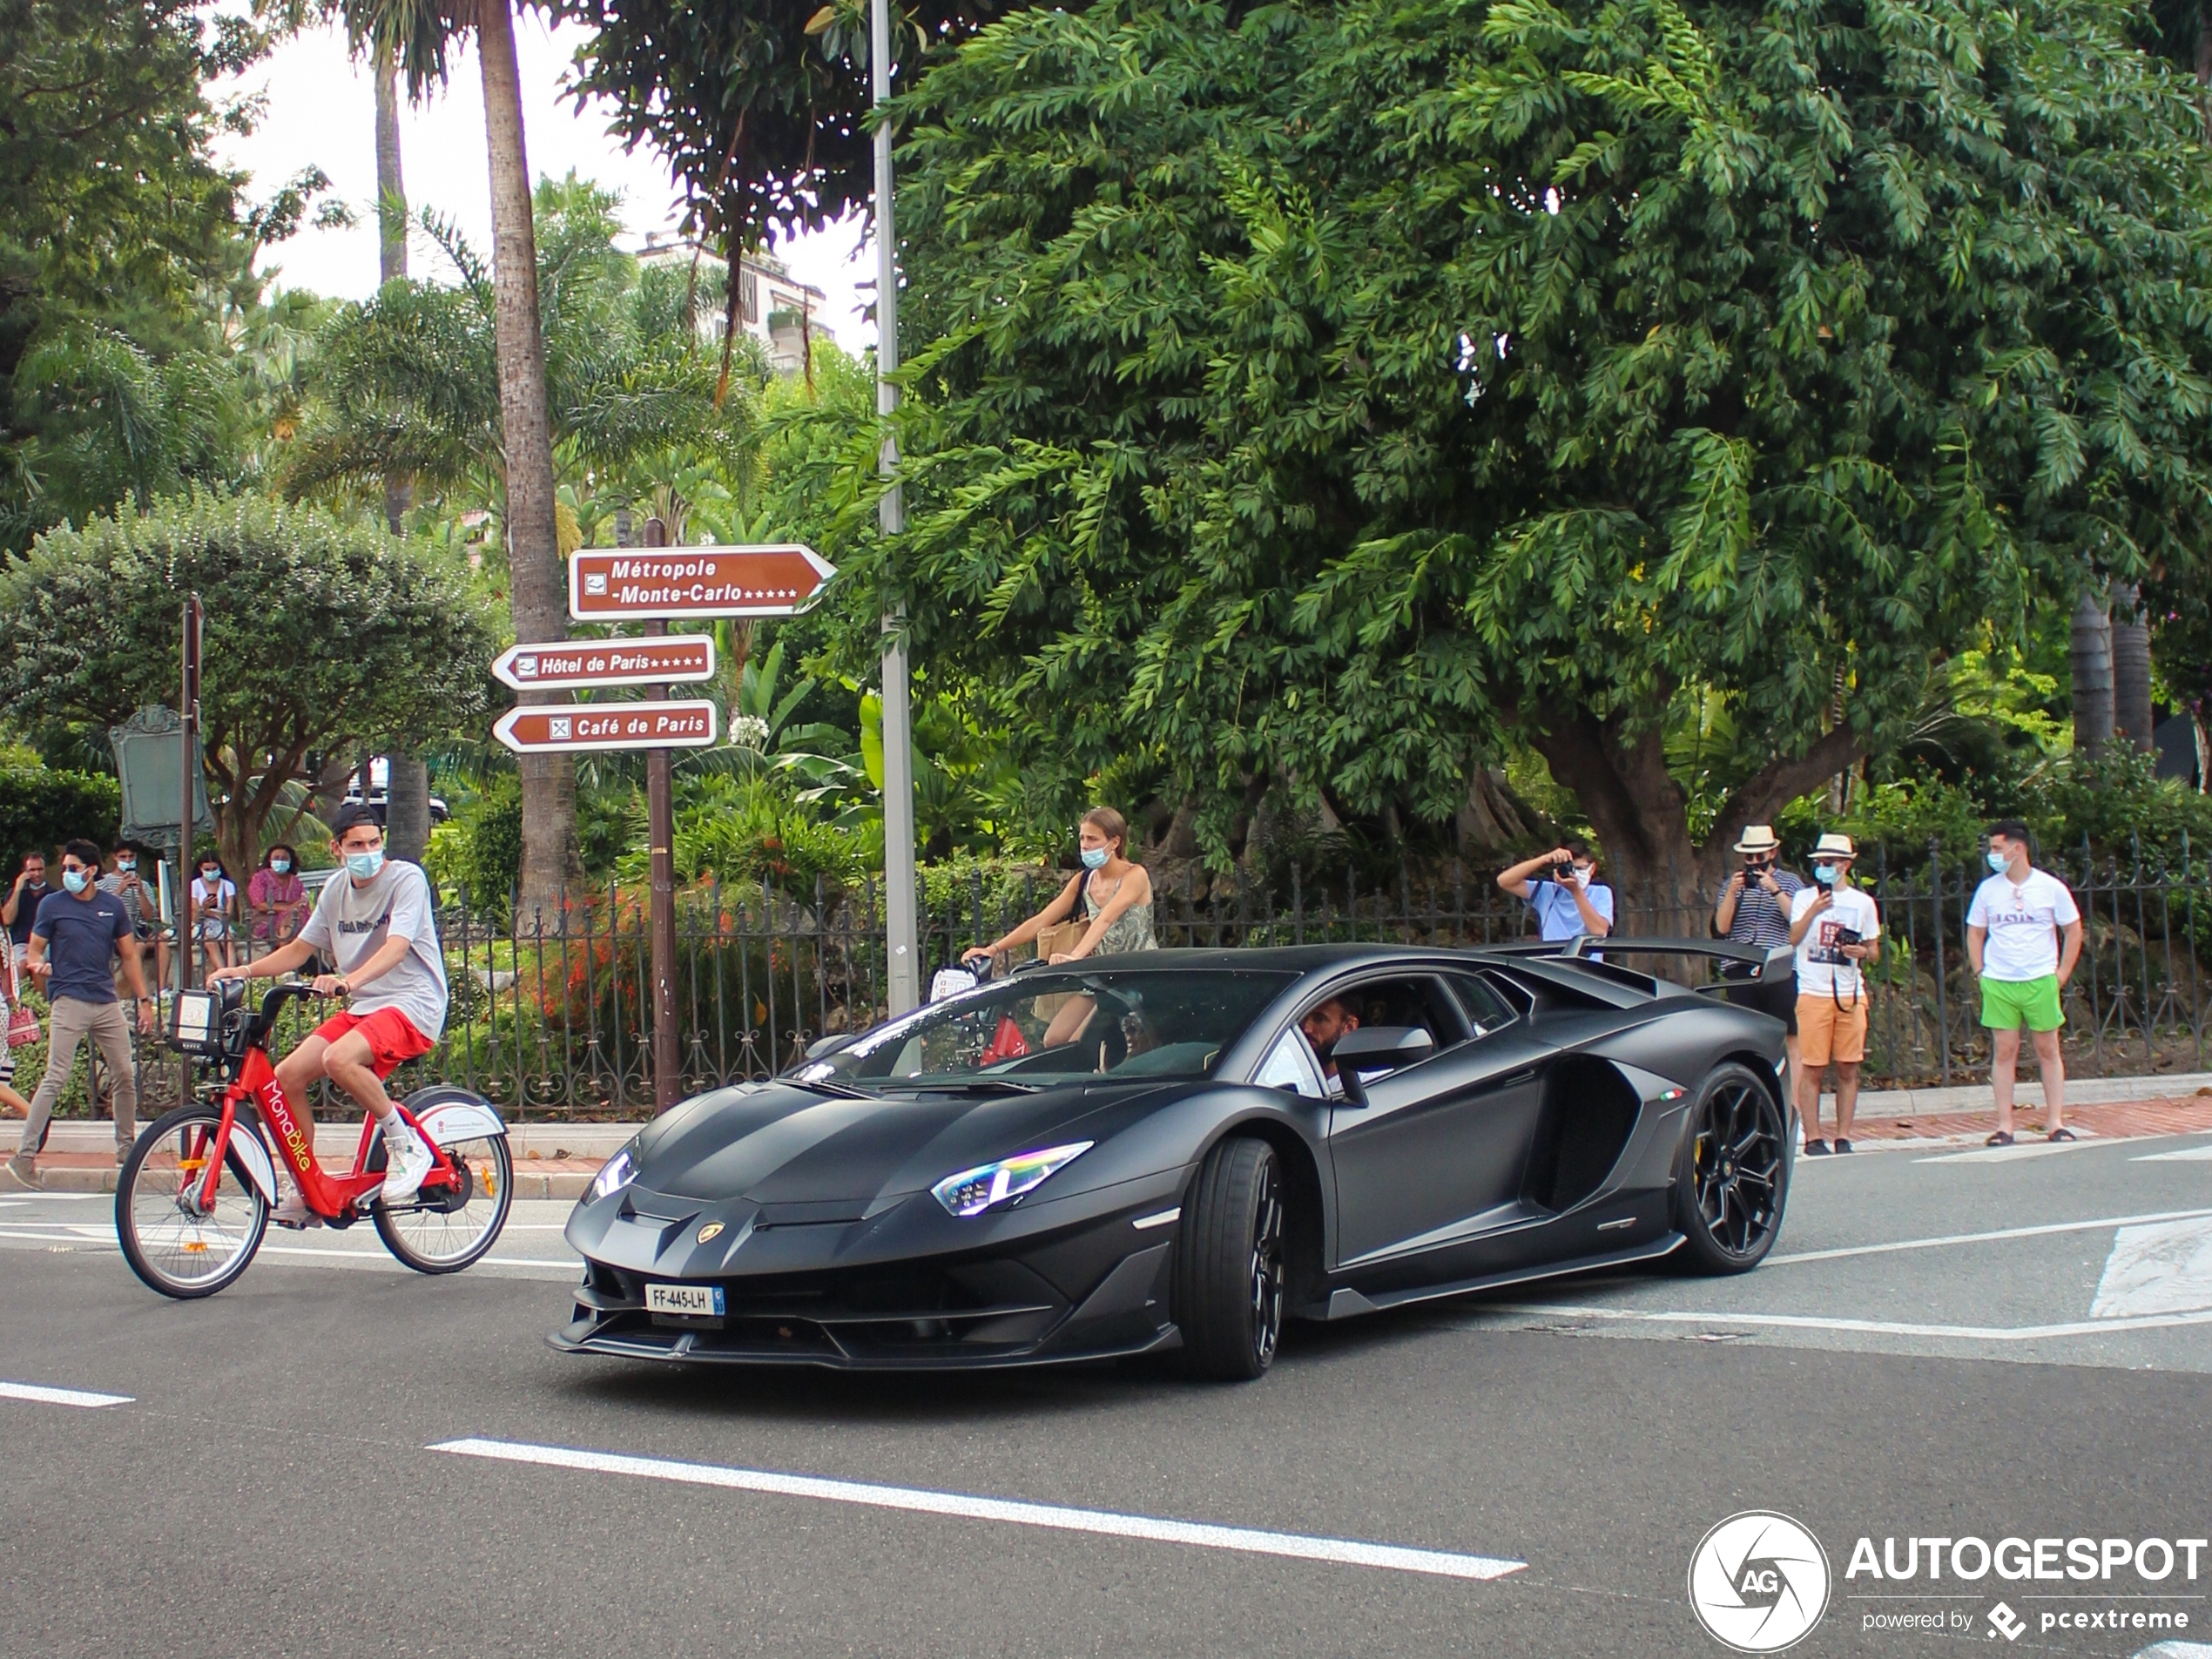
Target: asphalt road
{"points": [[269, 1485]]}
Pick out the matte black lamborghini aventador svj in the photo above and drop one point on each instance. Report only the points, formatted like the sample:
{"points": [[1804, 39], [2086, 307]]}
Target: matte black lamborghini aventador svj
{"points": [[1150, 1152]]}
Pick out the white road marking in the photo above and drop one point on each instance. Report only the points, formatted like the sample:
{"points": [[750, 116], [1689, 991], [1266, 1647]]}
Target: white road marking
{"points": [[1869, 1327], [2186, 1155], [1298, 1546], [1948, 1239], [2165, 1269], [2012, 1154], [77, 1233], [59, 1396]]}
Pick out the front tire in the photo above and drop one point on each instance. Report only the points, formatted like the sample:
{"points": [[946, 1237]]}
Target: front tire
{"points": [[169, 1244], [1229, 1283], [1732, 1175]]}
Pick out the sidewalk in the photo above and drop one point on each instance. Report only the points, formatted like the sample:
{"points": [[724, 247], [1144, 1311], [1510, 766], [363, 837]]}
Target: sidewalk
{"points": [[558, 1161]]}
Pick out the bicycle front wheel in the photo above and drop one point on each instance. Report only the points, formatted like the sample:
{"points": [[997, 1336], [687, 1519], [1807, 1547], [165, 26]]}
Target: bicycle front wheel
{"points": [[447, 1229], [179, 1247]]}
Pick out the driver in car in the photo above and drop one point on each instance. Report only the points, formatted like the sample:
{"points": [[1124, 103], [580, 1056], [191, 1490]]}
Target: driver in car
{"points": [[1323, 1025]]}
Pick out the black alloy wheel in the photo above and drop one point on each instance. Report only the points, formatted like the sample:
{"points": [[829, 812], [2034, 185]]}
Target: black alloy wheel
{"points": [[1732, 1179], [1229, 1288]]}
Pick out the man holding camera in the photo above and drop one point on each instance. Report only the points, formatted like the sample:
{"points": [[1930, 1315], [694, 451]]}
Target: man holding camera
{"points": [[2023, 938], [1561, 887], [1754, 909], [1837, 932]]}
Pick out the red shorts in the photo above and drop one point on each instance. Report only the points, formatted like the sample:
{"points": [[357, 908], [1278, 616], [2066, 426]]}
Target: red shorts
{"points": [[393, 1040]]}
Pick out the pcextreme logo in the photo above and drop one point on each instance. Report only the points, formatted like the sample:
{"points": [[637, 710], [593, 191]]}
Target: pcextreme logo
{"points": [[1758, 1582]]}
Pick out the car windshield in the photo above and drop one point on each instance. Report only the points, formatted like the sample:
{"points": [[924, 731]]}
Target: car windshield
{"points": [[1045, 1026]]}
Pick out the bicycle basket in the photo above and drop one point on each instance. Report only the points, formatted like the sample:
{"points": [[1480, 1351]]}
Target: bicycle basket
{"points": [[199, 1022]]}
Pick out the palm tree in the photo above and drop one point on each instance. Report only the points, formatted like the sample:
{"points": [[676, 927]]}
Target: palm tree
{"points": [[416, 34]]}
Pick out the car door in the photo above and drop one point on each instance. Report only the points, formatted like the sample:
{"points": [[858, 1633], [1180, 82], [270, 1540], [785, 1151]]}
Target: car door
{"points": [[1439, 1150]]}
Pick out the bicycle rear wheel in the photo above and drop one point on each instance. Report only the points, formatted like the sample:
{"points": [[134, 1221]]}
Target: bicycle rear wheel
{"points": [[174, 1246], [444, 1230]]}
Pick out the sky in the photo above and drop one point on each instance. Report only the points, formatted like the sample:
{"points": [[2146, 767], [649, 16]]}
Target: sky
{"points": [[321, 111]]}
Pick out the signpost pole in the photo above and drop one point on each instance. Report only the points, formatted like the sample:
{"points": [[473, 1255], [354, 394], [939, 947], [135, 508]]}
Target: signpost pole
{"points": [[188, 707], [660, 835], [901, 925]]}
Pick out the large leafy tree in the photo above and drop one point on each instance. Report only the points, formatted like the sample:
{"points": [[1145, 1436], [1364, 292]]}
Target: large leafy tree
{"points": [[1316, 392], [322, 633]]}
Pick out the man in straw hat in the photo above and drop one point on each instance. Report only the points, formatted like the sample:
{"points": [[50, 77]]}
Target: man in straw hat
{"points": [[1837, 932], [1754, 909]]}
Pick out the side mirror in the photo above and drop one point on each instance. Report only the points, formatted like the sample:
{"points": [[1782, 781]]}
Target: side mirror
{"points": [[822, 1047], [1379, 1049]]}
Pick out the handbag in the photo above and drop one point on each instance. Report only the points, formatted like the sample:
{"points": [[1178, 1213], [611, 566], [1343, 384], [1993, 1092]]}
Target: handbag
{"points": [[1064, 936], [22, 1024]]}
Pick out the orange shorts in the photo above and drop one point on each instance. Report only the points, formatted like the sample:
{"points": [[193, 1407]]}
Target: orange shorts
{"points": [[1826, 1033], [393, 1040]]}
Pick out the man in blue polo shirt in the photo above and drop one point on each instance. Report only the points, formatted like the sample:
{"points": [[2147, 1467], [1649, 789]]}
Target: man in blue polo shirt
{"points": [[79, 932]]}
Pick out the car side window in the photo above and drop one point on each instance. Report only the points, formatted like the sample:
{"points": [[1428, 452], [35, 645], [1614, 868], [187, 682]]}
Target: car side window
{"points": [[1290, 1065], [1487, 1010], [1416, 1000]]}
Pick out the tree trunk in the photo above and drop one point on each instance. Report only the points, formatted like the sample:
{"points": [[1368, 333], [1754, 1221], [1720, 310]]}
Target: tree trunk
{"points": [[2091, 652], [2131, 712], [391, 241], [536, 601], [407, 808], [1493, 818]]}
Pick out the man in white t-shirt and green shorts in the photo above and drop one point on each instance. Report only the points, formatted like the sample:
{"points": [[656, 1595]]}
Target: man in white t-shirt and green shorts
{"points": [[373, 920], [2023, 938]]}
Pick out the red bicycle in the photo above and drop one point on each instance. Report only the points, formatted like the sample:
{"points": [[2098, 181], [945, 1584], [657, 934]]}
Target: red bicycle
{"points": [[192, 1203]]}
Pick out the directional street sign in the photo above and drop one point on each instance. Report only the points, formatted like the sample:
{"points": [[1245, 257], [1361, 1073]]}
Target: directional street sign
{"points": [[619, 585], [566, 663], [573, 727]]}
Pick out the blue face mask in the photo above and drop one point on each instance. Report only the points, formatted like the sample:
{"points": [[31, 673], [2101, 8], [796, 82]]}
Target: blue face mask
{"points": [[1826, 874], [76, 880], [1999, 862], [1094, 858], [280, 866], [363, 866]]}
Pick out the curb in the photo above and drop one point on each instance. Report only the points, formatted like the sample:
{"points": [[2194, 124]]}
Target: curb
{"points": [[2080, 1091]]}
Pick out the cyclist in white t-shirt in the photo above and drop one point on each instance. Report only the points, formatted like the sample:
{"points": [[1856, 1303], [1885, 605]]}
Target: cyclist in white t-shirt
{"points": [[2023, 938], [375, 920]]}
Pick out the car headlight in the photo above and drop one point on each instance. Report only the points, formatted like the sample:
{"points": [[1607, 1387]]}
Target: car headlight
{"points": [[617, 1172], [973, 1191]]}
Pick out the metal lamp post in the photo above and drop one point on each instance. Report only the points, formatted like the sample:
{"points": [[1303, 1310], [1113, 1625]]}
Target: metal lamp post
{"points": [[901, 920]]}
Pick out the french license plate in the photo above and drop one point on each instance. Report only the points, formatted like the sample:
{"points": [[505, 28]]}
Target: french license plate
{"points": [[684, 1301]]}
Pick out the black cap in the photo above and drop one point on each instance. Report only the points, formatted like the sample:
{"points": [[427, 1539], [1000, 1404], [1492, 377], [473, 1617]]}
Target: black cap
{"points": [[352, 817]]}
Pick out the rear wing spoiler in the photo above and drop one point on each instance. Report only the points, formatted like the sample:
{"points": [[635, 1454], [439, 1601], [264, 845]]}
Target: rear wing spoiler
{"points": [[1756, 965]]}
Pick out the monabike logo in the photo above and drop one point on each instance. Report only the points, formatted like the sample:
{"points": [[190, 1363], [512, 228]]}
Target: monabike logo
{"points": [[1758, 1582]]}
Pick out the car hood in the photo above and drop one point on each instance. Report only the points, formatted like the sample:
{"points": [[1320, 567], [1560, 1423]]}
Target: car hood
{"points": [[776, 1143]]}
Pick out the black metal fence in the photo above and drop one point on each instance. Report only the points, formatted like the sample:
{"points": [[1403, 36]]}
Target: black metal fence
{"points": [[551, 1019]]}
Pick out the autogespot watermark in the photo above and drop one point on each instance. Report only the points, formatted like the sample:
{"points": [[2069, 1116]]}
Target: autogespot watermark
{"points": [[1758, 1582], [2146, 1585]]}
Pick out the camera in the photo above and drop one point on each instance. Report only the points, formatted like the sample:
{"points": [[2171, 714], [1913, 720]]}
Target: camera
{"points": [[1563, 873], [1843, 936]]}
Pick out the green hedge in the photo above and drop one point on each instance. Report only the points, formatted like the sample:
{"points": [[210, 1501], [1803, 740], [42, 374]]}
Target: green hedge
{"points": [[40, 808]]}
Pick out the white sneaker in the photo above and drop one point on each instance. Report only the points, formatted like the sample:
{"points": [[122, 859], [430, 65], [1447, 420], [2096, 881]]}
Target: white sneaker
{"points": [[406, 1161]]}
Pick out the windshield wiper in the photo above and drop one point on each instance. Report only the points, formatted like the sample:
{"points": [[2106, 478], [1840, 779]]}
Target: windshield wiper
{"points": [[823, 1086], [970, 1086]]}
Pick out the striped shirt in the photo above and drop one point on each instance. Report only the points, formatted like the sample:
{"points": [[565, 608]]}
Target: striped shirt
{"points": [[1760, 919]]}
